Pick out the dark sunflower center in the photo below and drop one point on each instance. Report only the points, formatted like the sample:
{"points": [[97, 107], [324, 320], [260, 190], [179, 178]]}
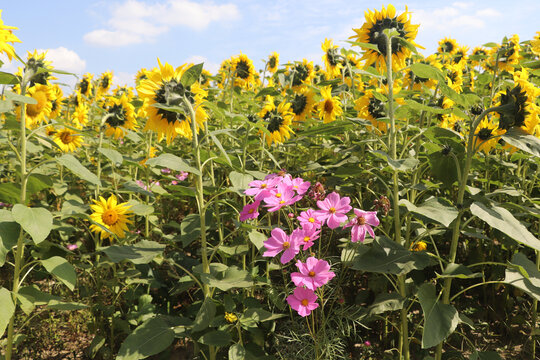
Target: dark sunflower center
{"points": [[35, 65], [300, 73], [272, 62], [328, 106], [66, 137], [376, 108], [252, 118], [377, 36], [507, 51], [242, 69], [447, 46], [54, 105], [299, 104], [453, 76], [172, 93], [274, 119], [117, 115], [458, 126], [484, 134], [84, 86], [332, 57], [480, 52], [514, 112], [105, 81], [458, 57]]}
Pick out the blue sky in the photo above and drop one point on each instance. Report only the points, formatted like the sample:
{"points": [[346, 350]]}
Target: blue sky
{"points": [[126, 35]]}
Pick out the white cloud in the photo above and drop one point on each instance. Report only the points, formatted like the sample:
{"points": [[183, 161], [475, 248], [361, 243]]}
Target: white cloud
{"points": [[64, 59], [133, 21], [9, 66], [488, 12], [123, 79]]}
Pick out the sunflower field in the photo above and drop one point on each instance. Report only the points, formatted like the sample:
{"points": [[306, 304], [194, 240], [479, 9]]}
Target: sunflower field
{"points": [[380, 205]]}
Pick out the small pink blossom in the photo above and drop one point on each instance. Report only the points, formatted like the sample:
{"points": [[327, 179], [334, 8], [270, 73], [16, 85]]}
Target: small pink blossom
{"points": [[261, 188], [313, 274], [174, 182], [279, 241], [282, 196], [303, 301], [333, 210], [309, 217], [72, 247], [182, 176], [290, 215], [362, 222], [306, 235], [165, 171], [297, 184], [250, 211]]}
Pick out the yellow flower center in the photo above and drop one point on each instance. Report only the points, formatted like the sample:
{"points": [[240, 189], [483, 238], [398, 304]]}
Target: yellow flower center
{"points": [[361, 220], [278, 195], [332, 210], [263, 186], [304, 302], [66, 137], [311, 220], [109, 217], [250, 211], [311, 273], [306, 238], [282, 202], [286, 245]]}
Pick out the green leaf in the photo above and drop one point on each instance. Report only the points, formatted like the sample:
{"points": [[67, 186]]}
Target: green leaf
{"points": [[62, 270], [427, 71], [221, 148], [10, 193], [31, 296], [437, 209], [385, 256], [233, 277], [190, 229], [485, 355], [35, 221], [142, 252], [8, 309], [364, 45], [9, 233], [6, 106], [503, 220], [70, 162], [440, 320], [257, 239], [522, 140], [172, 162], [386, 302], [240, 181], [191, 75], [112, 155], [20, 98], [399, 164], [97, 343], [267, 91], [140, 209], [216, 338], [150, 338], [237, 352], [454, 270], [523, 274], [205, 315], [8, 79], [38, 182]]}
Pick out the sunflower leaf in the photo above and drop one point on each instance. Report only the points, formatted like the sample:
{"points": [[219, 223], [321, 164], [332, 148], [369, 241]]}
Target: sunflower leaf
{"points": [[62, 270], [365, 45], [522, 140], [8, 79], [35, 221], [78, 169], [20, 98], [191, 75]]}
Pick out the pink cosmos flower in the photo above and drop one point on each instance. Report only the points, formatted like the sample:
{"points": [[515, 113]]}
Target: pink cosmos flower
{"points": [[165, 171], [250, 211], [298, 184], [279, 241], [303, 301], [333, 210], [313, 274], [282, 196], [174, 182], [182, 176], [309, 217], [72, 247], [262, 188], [306, 235], [362, 222]]}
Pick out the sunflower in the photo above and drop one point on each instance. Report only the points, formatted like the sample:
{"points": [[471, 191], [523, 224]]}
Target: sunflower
{"points": [[6, 36], [447, 45], [80, 114], [204, 80], [163, 88], [535, 44], [445, 103], [460, 56], [372, 32], [40, 112], [479, 56], [243, 71], [372, 109], [415, 81], [302, 103], [278, 121], [104, 83], [301, 73], [331, 59], [120, 114], [454, 77], [487, 135], [123, 90], [111, 215], [273, 62], [518, 111], [507, 53], [330, 106], [36, 62], [452, 122], [68, 140], [56, 101], [85, 85], [141, 75]]}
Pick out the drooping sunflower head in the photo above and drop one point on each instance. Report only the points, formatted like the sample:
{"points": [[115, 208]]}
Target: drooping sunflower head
{"points": [[7, 37], [506, 55], [141, 75], [119, 115], [123, 90], [371, 108], [301, 73], [273, 62], [372, 32], [110, 214], [487, 135], [164, 102], [35, 62], [205, 78], [104, 83], [278, 120], [331, 59], [448, 46], [68, 140]]}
